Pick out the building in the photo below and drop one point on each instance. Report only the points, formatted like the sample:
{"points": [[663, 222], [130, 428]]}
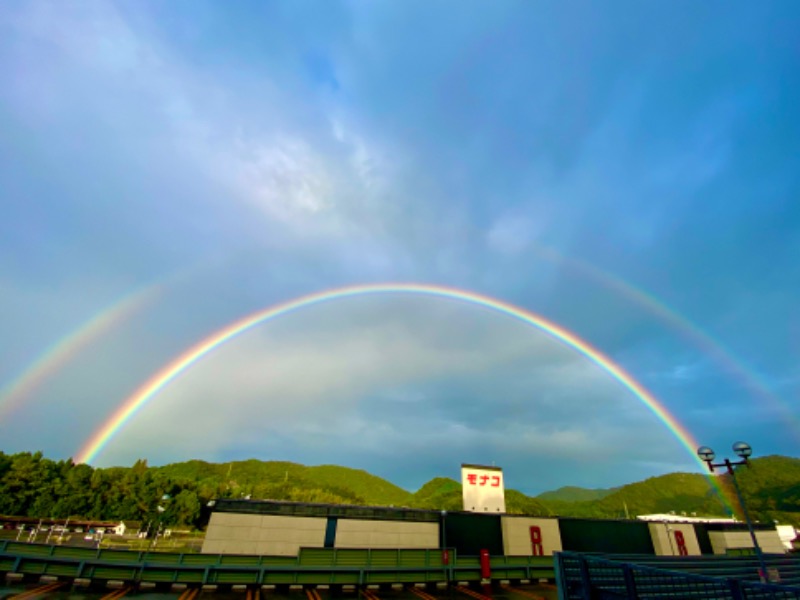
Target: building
{"points": [[267, 527]]}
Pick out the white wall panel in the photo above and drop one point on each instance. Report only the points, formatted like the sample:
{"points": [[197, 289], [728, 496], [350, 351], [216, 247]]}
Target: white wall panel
{"points": [[517, 535], [357, 533], [231, 533]]}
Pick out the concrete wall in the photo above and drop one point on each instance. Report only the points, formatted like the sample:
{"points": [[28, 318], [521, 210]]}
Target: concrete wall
{"points": [[769, 541], [517, 535], [665, 543], [232, 533], [357, 533]]}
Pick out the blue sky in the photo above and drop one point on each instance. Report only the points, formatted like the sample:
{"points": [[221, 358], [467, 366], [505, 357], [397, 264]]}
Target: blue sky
{"points": [[584, 161]]}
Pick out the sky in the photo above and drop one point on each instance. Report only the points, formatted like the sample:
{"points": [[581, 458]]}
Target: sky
{"points": [[629, 172]]}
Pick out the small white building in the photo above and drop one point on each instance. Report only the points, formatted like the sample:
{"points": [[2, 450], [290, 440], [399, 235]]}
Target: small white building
{"points": [[788, 534], [129, 527]]}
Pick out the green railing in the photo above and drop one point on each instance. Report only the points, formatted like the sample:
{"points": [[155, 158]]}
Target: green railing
{"points": [[312, 566]]}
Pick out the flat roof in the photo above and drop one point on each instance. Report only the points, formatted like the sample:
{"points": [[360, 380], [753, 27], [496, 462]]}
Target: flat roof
{"points": [[684, 519], [308, 509], [483, 467]]}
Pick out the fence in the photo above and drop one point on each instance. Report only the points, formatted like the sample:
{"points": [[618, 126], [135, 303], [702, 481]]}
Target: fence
{"points": [[589, 577]]}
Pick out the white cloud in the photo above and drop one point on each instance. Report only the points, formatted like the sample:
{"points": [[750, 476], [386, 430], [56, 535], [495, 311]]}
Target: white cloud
{"points": [[513, 233], [331, 378], [284, 178], [312, 177]]}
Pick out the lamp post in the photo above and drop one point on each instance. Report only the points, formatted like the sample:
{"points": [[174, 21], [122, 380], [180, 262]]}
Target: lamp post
{"points": [[165, 498], [445, 554], [444, 530], [743, 451]]}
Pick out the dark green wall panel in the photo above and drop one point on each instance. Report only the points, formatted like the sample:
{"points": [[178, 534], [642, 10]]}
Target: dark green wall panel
{"points": [[470, 533], [613, 537], [703, 539]]}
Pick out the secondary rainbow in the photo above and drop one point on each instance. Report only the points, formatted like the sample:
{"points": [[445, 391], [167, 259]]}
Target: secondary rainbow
{"points": [[133, 404], [62, 351], [686, 328]]}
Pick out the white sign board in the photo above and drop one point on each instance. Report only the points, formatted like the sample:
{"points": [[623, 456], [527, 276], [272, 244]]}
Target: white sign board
{"points": [[483, 489]]}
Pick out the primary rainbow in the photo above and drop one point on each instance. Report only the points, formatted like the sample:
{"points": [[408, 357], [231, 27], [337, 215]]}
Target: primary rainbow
{"points": [[103, 435]]}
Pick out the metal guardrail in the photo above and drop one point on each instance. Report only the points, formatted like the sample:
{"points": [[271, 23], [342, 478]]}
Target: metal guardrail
{"points": [[589, 577], [311, 566]]}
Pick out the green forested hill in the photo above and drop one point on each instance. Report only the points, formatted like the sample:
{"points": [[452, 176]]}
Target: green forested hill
{"points": [[443, 493], [245, 472], [32, 485], [571, 493], [676, 492], [518, 503], [374, 490], [770, 485], [681, 492], [259, 478], [440, 493], [690, 494]]}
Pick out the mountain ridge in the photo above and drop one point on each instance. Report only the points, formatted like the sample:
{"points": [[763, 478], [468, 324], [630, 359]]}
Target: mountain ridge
{"points": [[32, 485], [572, 493], [771, 485]]}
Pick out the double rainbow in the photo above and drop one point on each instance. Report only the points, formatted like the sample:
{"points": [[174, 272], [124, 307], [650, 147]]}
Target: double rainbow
{"points": [[133, 404]]}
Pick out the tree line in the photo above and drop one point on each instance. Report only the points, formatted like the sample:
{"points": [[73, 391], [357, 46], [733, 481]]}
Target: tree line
{"points": [[34, 486], [178, 494]]}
